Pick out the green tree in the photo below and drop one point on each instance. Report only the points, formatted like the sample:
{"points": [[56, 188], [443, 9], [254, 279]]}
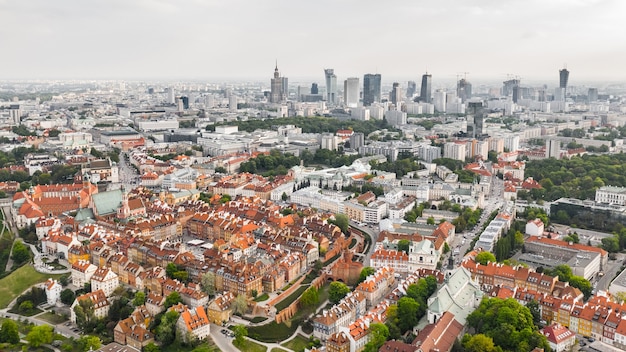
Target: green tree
{"points": [[207, 282], [67, 296], [172, 299], [26, 306], [430, 221], [140, 298], [9, 332], [365, 272], [582, 284], [21, 253], [407, 313], [84, 312], [151, 347], [310, 297], [342, 222], [165, 332], [337, 291], [40, 335], [479, 343], [89, 343], [485, 257], [240, 334], [610, 244], [379, 333], [240, 305], [403, 246]]}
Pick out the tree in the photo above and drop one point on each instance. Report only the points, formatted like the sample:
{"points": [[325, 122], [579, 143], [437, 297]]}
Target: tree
{"points": [[172, 299], [337, 291], [140, 298], [485, 257], [21, 253], [165, 332], [240, 334], [310, 297], [9, 332], [446, 248], [151, 347], [407, 313], [207, 282], [430, 221], [84, 312], [403, 246], [89, 343], [365, 272], [535, 311], [610, 244], [39, 335], [240, 305], [284, 197], [379, 333], [342, 222], [479, 343], [582, 284], [67, 296], [26, 306]]}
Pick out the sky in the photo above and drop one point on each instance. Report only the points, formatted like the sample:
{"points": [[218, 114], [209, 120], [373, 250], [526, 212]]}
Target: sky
{"points": [[242, 39]]}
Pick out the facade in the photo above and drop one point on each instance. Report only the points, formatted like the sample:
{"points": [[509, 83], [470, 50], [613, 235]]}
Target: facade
{"points": [[371, 89], [53, 291], [100, 303], [82, 271], [351, 92], [611, 195], [426, 88], [331, 86], [277, 93], [194, 322], [106, 280], [559, 337]]}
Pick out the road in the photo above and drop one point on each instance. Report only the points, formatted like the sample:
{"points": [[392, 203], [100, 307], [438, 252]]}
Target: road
{"points": [[373, 232], [127, 174]]}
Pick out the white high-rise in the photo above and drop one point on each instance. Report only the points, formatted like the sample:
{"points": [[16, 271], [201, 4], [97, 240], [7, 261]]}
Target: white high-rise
{"points": [[171, 99], [439, 100], [351, 92]]}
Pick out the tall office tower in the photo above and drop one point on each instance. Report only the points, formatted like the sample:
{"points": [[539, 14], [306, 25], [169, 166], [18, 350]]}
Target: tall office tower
{"points": [[285, 87], [15, 113], [331, 86], [185, 100], [371, 89], [553, 149], [232, 102], [426, 88], [563, 78], [314, 89], [507, 88], [517, 94], [357, 140], [475, 109], [464, 89], [276, 88], [411, 89], [171, 98], [395, 96], [351, 92], [592, 95], [439, 100]]}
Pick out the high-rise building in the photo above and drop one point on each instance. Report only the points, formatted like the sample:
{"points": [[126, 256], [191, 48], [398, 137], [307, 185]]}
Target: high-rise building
{"points": [[171, 98], [411, 89], [276, 88], [592, 95], [553, 149], [439, 100], [357, 140], [426, 88], [476, 111], [464, 89], [285, 87], [15, 113], [508, 85], [563, 78], [351, 92], [314, 89], [331, 86], [395, 96], [371, 89]]}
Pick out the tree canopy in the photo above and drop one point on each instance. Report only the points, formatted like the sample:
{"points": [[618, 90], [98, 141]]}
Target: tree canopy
{"points": [[337, 291], [508, 323]]}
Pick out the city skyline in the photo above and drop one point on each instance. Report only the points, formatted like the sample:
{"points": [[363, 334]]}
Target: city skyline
{"points": [[193, 39]]}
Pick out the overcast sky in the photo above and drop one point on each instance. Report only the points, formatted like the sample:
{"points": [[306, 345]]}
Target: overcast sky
{"points": [[239, 39]]}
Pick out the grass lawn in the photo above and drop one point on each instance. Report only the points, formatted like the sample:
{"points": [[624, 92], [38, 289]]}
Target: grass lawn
{"points": [[250, 346], [19, 281], [176, 347], [297, 344], [52, 318], [276, 349], [273, 332], [290, 299], [262, 297]]}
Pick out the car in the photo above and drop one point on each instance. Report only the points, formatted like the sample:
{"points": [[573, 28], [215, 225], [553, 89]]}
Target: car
{"points": [[591, 339]]}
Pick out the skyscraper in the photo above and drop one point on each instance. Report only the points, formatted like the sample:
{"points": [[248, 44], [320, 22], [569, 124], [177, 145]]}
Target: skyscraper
{"points": [[426, 88], [411, 89], [464, 89], [314, 89], [507, 88], [475, 109], [351, 92], [592, 95], [331, 86], [371, 88], [277, 93], [395, 96], [563, 78]]}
